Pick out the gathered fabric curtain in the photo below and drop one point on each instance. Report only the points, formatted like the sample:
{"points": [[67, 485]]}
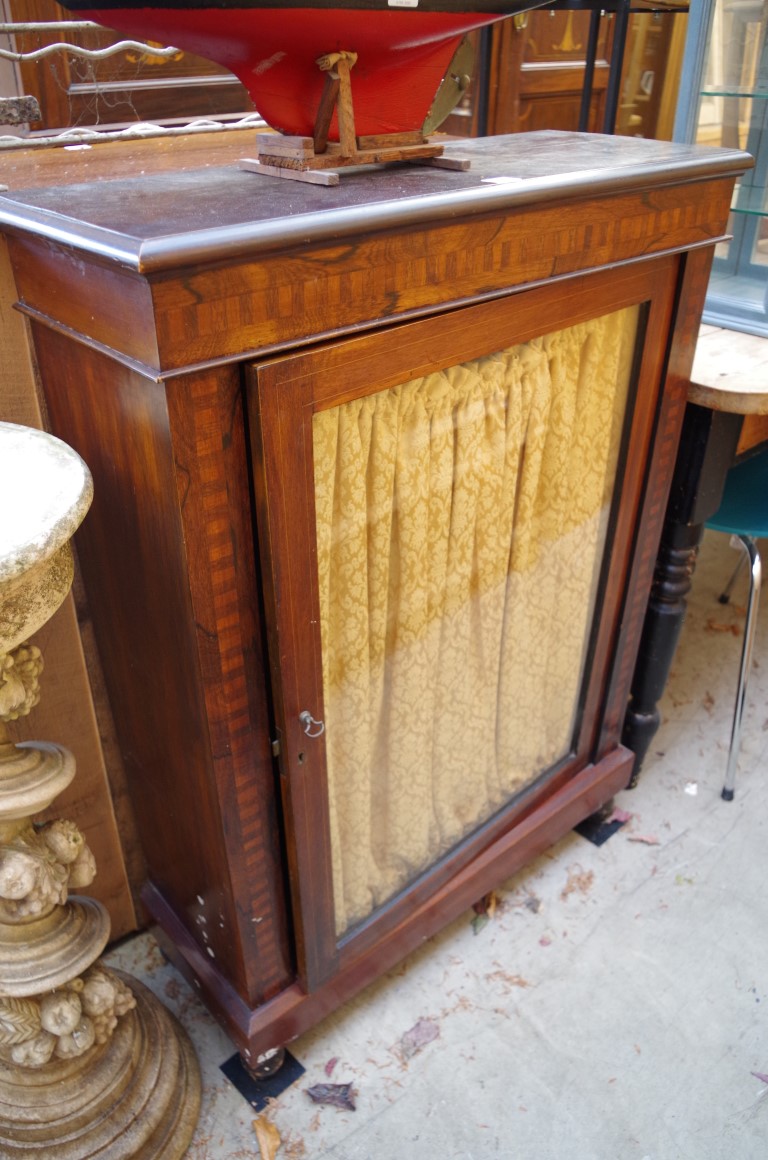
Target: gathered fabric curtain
{"points": [[461, 521]]}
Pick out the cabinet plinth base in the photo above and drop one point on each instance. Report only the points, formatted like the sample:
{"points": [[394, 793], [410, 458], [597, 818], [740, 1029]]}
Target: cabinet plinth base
{"points": [[256, 1031]]}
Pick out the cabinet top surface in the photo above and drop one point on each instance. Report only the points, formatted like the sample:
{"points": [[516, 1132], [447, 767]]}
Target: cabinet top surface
{"points": [[163, 221]]}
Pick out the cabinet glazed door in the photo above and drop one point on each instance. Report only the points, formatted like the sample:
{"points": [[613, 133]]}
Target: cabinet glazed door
{"points": [[446, 512]]}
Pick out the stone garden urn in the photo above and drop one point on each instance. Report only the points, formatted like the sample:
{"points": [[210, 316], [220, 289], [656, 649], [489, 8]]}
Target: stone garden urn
{"points": [[91, 1064]]}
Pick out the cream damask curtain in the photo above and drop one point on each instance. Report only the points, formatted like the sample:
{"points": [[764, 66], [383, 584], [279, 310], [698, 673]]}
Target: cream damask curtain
{"points": [[461, 520]]}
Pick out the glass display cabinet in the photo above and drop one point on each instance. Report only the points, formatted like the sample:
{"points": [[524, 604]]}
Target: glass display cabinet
{"points": [[727, 65], [380, 471]]}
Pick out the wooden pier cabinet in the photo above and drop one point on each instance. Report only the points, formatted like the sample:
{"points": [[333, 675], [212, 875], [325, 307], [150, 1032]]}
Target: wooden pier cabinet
{"points": [[379, 473]]}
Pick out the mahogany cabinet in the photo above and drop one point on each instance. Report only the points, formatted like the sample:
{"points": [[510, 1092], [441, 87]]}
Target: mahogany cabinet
{"points": [[379, 472]]}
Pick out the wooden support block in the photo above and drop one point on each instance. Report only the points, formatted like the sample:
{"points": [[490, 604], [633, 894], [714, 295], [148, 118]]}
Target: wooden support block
{"points": [[386, 156], [462, 164], [277, 145], [391, 140], [289, 162], [312, 176]]}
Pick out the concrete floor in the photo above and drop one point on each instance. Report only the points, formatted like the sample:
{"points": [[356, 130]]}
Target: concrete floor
{"points": [[614, 1005]]}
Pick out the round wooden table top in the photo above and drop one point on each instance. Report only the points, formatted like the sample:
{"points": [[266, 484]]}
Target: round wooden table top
{"points": [[730, 372]]}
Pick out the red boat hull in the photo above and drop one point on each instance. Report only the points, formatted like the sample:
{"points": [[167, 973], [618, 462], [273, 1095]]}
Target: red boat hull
{"points": [[403, 54]]}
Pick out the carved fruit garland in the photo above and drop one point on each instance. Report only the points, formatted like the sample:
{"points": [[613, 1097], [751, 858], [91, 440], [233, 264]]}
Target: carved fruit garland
{"points": [[20, 672], [39, 865], [64, 1023]]}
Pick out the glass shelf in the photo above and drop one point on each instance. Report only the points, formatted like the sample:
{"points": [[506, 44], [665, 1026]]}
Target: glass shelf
{"points": [[741, 92], [750, 199]]}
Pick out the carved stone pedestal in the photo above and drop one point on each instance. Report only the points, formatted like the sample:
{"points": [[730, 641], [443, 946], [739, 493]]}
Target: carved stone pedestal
{"points": [[91, 1065], [137, 1095]]}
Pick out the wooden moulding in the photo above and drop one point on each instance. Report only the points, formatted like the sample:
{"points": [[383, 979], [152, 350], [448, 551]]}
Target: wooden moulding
{"points": [[261, 302], [295, 1011], [387, 277]]}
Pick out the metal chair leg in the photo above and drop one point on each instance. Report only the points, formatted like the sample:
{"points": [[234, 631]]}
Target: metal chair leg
{"points": [[755, 580], [725, 595]]}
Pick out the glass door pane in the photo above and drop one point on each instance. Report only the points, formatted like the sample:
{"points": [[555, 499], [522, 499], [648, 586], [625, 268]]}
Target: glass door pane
{"points": [[447, 510], [461, 521]]}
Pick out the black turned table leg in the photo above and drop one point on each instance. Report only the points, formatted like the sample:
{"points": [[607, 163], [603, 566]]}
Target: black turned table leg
{"points": [[707, 450], [661, 630]]}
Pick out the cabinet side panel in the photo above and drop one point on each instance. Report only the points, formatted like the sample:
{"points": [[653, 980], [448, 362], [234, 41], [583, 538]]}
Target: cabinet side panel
{"points": [[137, 572], [212, 477]]}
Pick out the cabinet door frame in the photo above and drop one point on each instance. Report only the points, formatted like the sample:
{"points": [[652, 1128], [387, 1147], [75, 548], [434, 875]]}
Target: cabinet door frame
{"points": [[283, 394]]}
